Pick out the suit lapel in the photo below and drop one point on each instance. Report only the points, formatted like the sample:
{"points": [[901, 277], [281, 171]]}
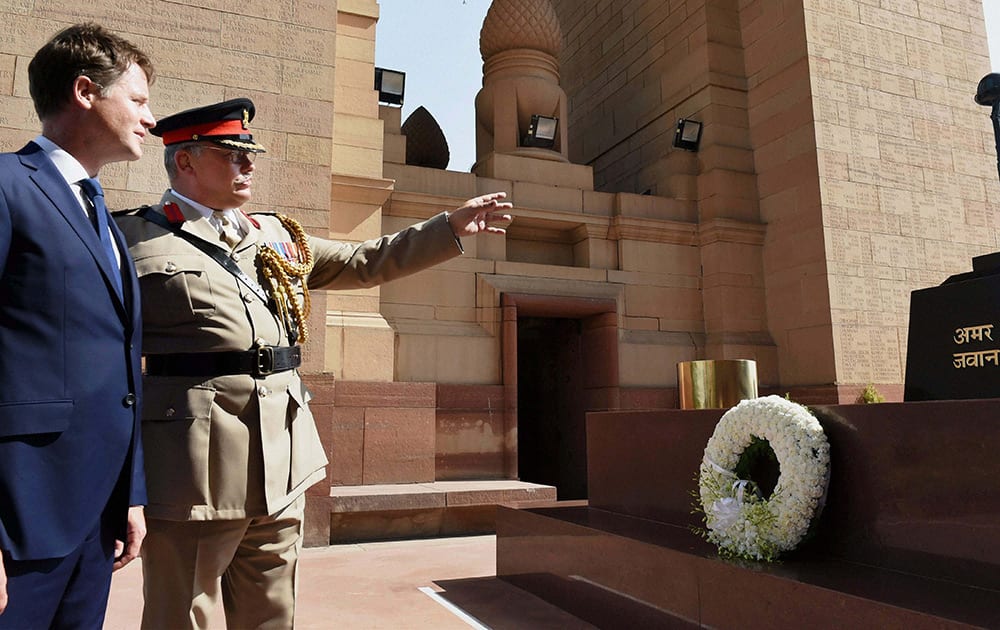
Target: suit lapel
{"points": [[53, 187]]}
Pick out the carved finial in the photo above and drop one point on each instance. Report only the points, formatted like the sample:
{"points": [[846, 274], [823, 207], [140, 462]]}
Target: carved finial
{"points": [[425, 142], [513, 24]]}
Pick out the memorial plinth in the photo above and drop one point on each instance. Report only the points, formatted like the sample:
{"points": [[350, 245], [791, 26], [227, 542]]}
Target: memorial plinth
{"points": [[953, 343], [906, 538]]}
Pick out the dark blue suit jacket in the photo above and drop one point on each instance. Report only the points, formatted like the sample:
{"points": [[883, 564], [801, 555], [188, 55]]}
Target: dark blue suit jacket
{"points": [[69, 368]]}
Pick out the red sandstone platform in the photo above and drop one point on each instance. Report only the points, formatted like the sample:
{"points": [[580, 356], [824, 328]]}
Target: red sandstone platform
{"points": [[377, 585], [907, 537]]}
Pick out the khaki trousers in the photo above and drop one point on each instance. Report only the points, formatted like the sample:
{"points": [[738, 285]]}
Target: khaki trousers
{"points": [[254, 561]]}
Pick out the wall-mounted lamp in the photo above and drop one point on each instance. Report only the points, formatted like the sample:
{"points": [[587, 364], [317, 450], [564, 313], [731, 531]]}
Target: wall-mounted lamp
{"points": [[541, 132], [390, 84], [688, 134]]}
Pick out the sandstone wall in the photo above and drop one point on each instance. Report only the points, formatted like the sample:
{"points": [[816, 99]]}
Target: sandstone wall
{"points": [[845, 128]]}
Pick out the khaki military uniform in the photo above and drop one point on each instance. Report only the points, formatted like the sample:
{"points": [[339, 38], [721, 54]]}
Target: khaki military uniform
{"points": [[237, 446]]}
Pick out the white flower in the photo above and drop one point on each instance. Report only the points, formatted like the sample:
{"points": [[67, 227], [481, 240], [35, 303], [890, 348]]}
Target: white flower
{"points": [[762, 529]]}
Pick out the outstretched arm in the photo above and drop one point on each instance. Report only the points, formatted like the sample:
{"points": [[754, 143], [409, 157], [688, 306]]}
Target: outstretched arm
{"points": [[417, 247], [486, 213]]}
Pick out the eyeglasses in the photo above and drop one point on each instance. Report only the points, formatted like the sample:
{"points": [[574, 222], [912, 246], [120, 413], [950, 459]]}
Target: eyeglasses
{"points": [[235, 156]]}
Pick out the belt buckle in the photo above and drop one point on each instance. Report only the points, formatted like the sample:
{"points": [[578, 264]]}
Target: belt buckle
{"points": [[265, 360]]}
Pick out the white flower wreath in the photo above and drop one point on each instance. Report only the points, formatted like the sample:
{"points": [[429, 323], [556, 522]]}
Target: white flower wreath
{"points": [[742, 523]]}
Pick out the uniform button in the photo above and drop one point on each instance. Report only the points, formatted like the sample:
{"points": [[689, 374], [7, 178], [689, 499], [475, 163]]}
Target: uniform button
{"points": [[262, 391], [129, 400], [248, 297], [170, 267], [169, 412], [236, 256], [259, 341]]}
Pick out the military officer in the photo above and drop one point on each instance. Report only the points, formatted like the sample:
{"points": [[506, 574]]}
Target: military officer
{"points": [[231, 445]]}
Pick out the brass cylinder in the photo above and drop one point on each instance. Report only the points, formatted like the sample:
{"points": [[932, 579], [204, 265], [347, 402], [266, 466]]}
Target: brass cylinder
{"points": [[716, 384]]}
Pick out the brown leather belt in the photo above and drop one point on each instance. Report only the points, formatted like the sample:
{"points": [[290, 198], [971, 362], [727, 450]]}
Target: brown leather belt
{"points": [[260, 361]]}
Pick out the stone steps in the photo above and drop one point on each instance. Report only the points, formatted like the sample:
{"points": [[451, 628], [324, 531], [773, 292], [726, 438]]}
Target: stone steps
{"points": [[412, 510]]}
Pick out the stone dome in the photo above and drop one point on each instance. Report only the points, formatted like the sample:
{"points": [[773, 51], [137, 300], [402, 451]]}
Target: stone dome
{"points": [[425, 142], [513, 24]]}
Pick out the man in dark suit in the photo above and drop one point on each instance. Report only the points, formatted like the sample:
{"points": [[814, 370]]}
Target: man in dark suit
{"points": [[71, 466]]}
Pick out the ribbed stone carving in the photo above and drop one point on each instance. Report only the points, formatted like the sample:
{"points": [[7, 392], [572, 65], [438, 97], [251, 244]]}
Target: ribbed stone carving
{"points": [[513, 24], [425, 142]]}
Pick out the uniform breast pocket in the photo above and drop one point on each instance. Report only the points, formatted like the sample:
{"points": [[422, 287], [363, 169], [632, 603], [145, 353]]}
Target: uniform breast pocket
{"points": [[175, 289]]}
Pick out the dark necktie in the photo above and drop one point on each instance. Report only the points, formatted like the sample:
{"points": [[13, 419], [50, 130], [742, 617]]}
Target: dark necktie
{"points": [[92, 188]]}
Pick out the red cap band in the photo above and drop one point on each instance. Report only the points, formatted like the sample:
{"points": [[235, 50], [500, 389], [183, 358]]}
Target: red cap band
{"points": [[196, 132]]}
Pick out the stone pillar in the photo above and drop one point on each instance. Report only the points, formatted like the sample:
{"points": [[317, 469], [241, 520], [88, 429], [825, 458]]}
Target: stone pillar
{"points": [[731, 237], [520, 41], [359, 342]]}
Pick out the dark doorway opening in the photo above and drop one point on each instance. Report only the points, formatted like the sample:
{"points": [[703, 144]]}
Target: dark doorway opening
{"points": [[551, 405]]}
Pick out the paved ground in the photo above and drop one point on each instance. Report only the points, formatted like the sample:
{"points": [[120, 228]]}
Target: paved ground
{"points": [[444, 584]]}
